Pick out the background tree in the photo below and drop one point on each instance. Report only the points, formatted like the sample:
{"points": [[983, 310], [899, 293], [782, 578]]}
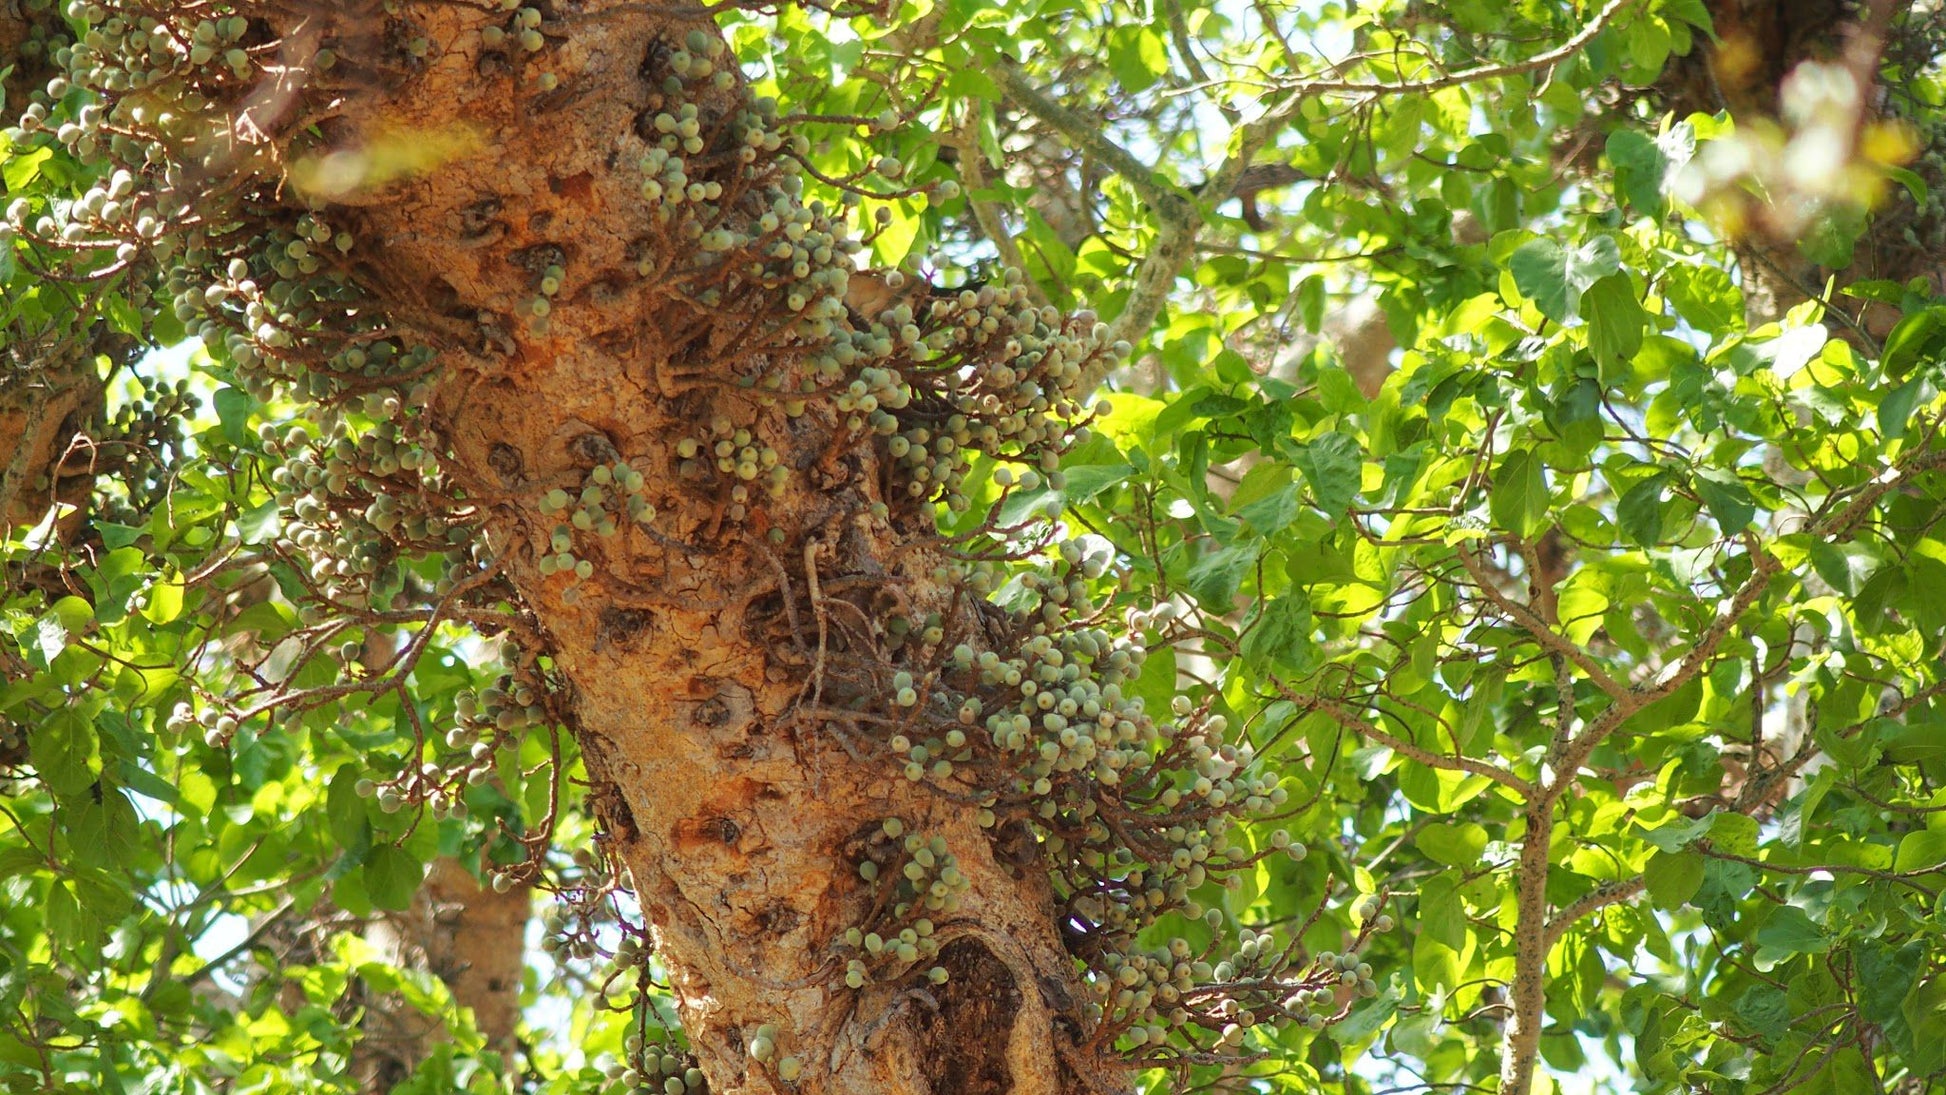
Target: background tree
{"points": [[555, 502]]}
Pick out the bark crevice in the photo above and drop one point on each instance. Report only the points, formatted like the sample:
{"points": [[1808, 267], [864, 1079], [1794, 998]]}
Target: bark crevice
{"points": [[981, 994]]}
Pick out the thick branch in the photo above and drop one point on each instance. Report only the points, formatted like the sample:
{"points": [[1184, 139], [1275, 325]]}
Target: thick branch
{"points": [[972, 166], [1520, 1049], [1086, 132], [1186, 49], [29, 418]]}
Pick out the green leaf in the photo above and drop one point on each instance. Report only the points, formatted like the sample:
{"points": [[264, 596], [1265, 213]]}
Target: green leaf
{"points": [[1924, 1009], [1518, 502], [1921, 849], [1022, 506], [1831, 239], [67, 921], [1639, 169], [1880, 289], [1734, 833], [392, 876], [1704, 296], [1885, 977], [1273, 512], [75, 614], [50, 638], [122, 315], [233, 409], [1795, 348], [1765, 1009], [350, 824], [1438, 790], [897, 235], [1673, 878], [1281, 637], [1214, 578], [1554, 277], [1678, 835], [1332, 465], [1085, 481], [1727, 498], [1791, 929], [1615, 320], [1456, 845], [1914, 183], [1895, 406], [1649, 43], [24, 168], [1366, 1019], [1310, 302], [164, 600], [20, 861], [259, 523], [62, 748], [1442, 941], [1195, 404], [1917, 338], [144, 782], [1137, 56], [1846, 565], [1639, 511]]}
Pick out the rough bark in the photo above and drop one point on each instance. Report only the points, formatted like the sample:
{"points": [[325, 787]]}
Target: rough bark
{"points": [[733, 812], [556, 257], [49, 406]]}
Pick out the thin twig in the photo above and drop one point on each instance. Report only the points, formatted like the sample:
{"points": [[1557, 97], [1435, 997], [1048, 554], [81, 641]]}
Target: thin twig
{"points": [[816, 683], [1531, 623], [1364, 728], [1599, 897]]}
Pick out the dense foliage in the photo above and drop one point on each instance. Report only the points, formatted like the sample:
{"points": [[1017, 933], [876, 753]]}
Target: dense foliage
{"points": [[1589, 638]]}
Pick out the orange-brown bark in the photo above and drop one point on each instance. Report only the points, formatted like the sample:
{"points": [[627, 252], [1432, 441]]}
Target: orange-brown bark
{"points": [[686, 654]]}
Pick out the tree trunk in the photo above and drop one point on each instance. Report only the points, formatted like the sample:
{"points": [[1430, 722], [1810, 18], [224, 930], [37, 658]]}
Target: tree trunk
{"points": [[697, 653], [469, 936], [601, 364]]}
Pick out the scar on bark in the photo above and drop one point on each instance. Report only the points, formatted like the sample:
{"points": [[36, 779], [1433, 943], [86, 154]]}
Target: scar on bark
{"points": [[594, 447], [716, 830], [622, 626], [506, 462]]}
